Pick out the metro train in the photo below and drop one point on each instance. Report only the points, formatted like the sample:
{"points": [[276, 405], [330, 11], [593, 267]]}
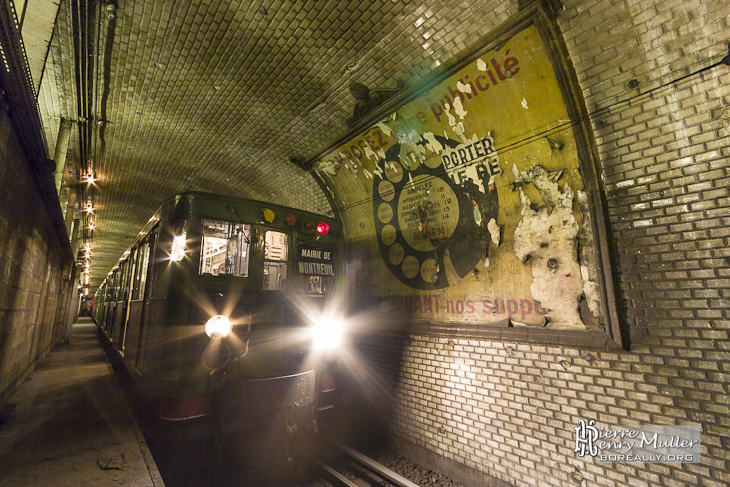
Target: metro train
{"points": [[225, 307]]}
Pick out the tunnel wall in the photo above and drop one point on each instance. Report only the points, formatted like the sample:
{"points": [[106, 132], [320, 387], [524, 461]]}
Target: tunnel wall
{"points": [[33, 292], [507, 410]]}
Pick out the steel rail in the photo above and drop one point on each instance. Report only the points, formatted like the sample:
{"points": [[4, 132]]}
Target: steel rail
{"points": [[336, 475], [377, 469]]}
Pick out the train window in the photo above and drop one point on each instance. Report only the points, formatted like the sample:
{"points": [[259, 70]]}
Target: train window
{"points": [[132, 270], [124, 280], [114, 285], [276, 246], [135, 271], [276, 251], [225, 248], [143, 256], [143, 273]]}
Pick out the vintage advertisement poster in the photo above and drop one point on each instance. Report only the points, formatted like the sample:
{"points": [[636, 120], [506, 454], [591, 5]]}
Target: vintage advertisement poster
{"points": [[472, 196]]}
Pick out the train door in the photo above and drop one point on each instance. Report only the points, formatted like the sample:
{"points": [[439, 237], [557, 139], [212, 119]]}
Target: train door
{"points": [[122, 307], [276, 255], [136, 301], [145, 294]]}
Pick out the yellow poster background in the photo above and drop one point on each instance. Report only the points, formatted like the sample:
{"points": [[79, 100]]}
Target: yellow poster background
{"points": [[509, 94]]}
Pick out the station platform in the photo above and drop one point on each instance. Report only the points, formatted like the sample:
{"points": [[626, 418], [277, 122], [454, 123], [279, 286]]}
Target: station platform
{"points": [[70, 424]]}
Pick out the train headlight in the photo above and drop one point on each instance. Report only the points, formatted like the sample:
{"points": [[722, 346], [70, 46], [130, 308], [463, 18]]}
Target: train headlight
{"points": [[179, 232], [178, 248], [218, 327], [327, 333]]}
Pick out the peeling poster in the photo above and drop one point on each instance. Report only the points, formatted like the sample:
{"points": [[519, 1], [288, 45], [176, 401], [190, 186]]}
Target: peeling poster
{"points": [[465, 203]]}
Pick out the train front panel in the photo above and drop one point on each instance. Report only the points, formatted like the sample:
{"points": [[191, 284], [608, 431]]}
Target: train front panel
{"points": [[235, 291]]}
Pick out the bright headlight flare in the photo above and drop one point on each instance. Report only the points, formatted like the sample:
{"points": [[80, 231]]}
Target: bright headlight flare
{"points": [[218, 327], [326, 333], [178, 248], [179, 232]]}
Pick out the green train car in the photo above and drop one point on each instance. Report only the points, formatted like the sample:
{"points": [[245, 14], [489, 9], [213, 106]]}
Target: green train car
{"points": [[226, 307]]}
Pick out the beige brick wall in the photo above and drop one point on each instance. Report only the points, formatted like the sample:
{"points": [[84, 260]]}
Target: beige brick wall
{"points": [[31, 266], [508, 410]]}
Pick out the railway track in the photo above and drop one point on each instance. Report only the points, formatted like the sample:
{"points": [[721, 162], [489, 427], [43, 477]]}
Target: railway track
{"points": [[367, 472]]}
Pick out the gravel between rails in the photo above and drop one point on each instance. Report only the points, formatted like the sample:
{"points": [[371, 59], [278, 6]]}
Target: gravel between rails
{"points": [[422, 476]]}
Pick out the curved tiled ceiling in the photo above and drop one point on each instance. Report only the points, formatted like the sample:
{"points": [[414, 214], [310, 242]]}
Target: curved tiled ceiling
{"points": [[217, 96]]}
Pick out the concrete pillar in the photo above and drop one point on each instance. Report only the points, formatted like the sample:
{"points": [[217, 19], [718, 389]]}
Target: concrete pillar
{"points": [[64, 135]]}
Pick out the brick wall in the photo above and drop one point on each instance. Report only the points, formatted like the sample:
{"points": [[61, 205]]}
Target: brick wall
{"points": [[508, 410], [31, 267]]}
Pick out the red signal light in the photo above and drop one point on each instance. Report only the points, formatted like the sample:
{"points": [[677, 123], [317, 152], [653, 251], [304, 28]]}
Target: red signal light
{"points": [[323, 228]]}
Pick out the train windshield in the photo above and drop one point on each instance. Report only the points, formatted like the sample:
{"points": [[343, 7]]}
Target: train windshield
{"points": [[276, 253], [225, 248]]}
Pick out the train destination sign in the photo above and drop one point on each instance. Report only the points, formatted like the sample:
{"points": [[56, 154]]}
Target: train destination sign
{"points": [[315, 261]]}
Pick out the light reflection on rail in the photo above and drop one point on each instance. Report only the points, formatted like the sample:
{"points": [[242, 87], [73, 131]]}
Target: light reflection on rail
{"points": [[368, 470]]}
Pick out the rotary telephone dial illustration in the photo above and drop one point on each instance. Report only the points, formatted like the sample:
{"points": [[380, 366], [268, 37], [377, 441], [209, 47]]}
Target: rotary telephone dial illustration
{"points": [[420, 213]]}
